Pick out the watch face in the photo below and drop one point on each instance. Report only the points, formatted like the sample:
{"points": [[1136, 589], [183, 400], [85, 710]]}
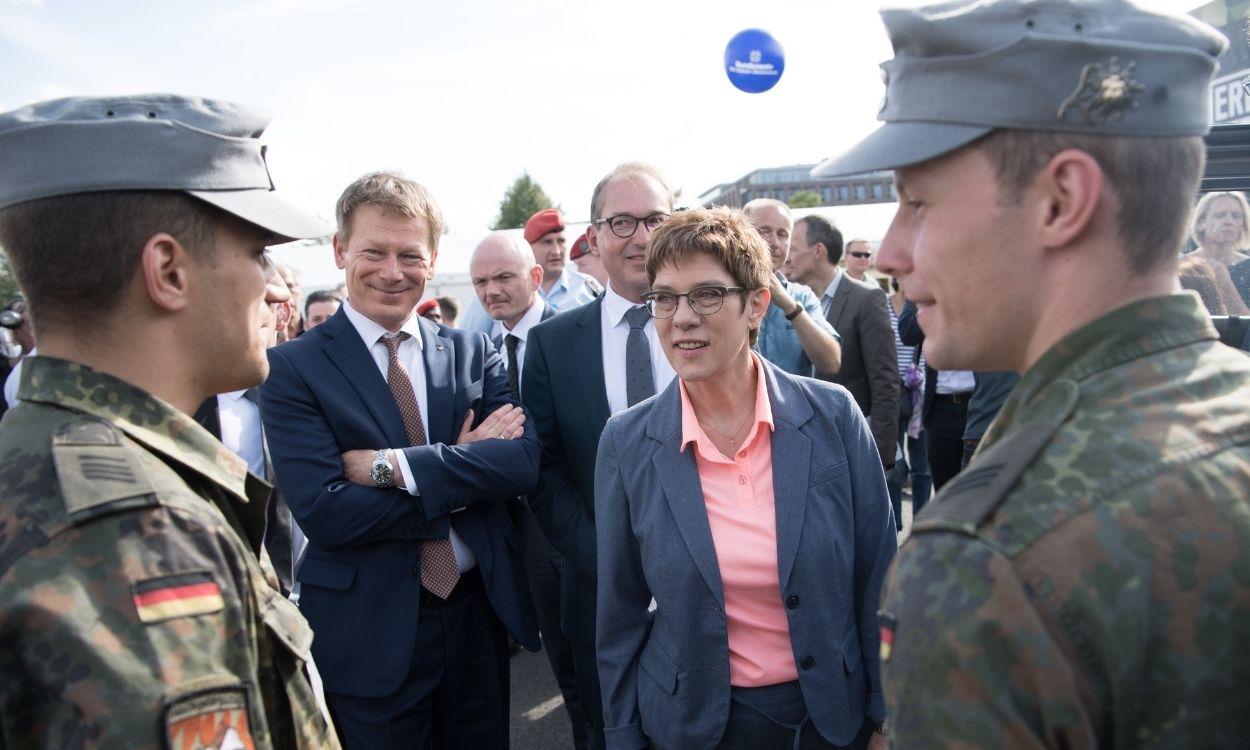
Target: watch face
{"points": [[382, 474]]}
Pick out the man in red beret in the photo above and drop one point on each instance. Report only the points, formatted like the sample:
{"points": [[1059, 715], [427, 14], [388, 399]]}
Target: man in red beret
{"points": [[562, 287], [430, 310], [588, 262]]}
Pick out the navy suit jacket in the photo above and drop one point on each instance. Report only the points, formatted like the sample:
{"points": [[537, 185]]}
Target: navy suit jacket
{"points": [[665, 674], [566, 400], [360, 579]]}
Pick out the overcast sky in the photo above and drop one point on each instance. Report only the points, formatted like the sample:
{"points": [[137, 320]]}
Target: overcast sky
{"points": [[463, 96]]}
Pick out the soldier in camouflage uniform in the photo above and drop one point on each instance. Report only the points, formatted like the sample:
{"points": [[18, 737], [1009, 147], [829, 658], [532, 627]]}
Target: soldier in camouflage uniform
{"points": [[1086, 582], [134, 610]]}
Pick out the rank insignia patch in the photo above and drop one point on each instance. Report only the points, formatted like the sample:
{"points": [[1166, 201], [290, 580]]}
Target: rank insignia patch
{"points": [[215, 720], [182, 595]]}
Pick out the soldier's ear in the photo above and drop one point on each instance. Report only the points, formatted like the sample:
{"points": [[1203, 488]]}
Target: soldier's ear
{"points": [[1066, 196], [163, 272]]}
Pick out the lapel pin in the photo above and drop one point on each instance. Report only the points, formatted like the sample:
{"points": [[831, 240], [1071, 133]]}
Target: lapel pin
{"points": [[438, 347]]}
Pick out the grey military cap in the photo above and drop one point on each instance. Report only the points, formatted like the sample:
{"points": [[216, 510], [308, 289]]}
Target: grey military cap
{"points": [[206, 147], [964, 68]]}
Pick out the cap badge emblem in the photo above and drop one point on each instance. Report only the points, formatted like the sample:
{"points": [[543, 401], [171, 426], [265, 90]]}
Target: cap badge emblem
{"points": [[1103, 91]]}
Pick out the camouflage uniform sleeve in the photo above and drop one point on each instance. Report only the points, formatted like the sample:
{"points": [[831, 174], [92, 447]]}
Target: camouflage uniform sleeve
{"points": [[132, 630], [972, 664]]}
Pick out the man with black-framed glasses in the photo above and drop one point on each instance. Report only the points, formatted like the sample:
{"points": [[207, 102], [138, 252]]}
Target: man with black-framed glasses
{"points": [[581, 367]]}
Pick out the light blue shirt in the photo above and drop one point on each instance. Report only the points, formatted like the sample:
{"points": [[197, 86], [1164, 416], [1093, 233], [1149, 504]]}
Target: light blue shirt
{"points": [[779, 344], [572, 289]]}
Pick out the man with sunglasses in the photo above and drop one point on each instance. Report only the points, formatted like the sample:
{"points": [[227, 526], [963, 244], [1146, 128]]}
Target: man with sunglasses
{"points": [[859, 260], [581, 367]]}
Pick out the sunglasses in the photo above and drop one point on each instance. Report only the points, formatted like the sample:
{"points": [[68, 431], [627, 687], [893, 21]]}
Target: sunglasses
{"points": [[861, 255]]}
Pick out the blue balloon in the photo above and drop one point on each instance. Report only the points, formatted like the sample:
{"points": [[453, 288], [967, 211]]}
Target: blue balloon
{"points": [[754, 61]]}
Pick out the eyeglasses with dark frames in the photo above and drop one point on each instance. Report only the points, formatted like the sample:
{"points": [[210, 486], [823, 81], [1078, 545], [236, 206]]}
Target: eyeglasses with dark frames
{"points": [[624, 225], [705, 300], [860, 255]]}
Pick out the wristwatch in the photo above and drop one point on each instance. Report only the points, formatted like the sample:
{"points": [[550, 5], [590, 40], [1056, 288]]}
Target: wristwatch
{"points": [[382, 473]]}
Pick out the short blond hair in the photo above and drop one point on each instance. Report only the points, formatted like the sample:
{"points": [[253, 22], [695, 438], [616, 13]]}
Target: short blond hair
{"points": [[393, 194], [725, 234]]}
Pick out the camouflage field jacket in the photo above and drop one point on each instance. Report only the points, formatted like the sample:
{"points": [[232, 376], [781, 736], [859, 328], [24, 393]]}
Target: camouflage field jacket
{"points": [[1086, 582], [134, 612]]}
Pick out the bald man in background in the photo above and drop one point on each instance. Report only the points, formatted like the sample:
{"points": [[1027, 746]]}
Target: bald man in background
{"points": [[506, 278]]}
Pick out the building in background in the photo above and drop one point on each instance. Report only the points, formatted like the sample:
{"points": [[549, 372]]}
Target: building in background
{"points": [[1230, 100], [781, 183]]}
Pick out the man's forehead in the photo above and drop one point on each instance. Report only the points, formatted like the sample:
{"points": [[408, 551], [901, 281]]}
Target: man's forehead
{"points": [[637, 193], [555, 236], [770, 216], [490, 259]]}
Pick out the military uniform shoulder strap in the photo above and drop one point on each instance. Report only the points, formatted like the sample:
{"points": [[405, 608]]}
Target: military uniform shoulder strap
{"points": [[974, 495], [98, 470]]}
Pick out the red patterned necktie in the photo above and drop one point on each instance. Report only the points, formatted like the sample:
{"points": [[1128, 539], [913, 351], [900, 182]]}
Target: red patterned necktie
{"points": [[439, 571]]}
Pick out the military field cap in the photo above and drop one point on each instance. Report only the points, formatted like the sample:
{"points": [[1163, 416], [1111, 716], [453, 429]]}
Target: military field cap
{"points": [[964, 68], [206, 147]]}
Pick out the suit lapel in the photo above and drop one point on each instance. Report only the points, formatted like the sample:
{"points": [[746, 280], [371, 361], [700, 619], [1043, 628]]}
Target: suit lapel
{"points": [[439, 354], [679, 477], [208, 417], [351, 356], [838, 304], [792, 455], [587, 362]]}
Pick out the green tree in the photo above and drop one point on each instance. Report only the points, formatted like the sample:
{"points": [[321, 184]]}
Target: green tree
{"points": [[804, 199], [8, 284], [521, 201]]}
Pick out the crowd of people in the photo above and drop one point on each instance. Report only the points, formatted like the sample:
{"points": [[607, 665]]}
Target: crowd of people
{"points": [[236, 515]]}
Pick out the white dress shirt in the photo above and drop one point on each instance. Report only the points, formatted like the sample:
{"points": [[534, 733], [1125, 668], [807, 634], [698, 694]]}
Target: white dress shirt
{"points": [[826, 299], [955, 381], [615, 337], [521, 330], [241, 430], [411, 359]]}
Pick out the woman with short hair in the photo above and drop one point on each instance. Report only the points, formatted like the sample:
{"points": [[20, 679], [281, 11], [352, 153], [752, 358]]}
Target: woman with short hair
{"points": [[751, 506]]}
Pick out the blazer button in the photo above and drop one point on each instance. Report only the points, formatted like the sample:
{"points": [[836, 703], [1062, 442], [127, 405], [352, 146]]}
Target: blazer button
{"points": [[792, 601], [808, 662]]}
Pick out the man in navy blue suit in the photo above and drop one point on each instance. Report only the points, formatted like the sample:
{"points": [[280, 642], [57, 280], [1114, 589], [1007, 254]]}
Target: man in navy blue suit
{"points": [[398, 444], [581, 367]]}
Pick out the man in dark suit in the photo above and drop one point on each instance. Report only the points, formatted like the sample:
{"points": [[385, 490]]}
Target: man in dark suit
{"points": [[234, 419], [506, 279], [859, 314], [581, 367], [958, 406], [398, 444]]}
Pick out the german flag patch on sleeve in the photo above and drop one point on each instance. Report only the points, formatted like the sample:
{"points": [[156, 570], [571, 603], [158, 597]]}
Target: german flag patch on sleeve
{"points": [[179, 595], [888, 622]]}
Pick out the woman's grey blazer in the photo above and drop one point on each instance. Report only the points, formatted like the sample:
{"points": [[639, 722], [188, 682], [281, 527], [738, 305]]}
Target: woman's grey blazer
{"points": [[665, 674]]}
